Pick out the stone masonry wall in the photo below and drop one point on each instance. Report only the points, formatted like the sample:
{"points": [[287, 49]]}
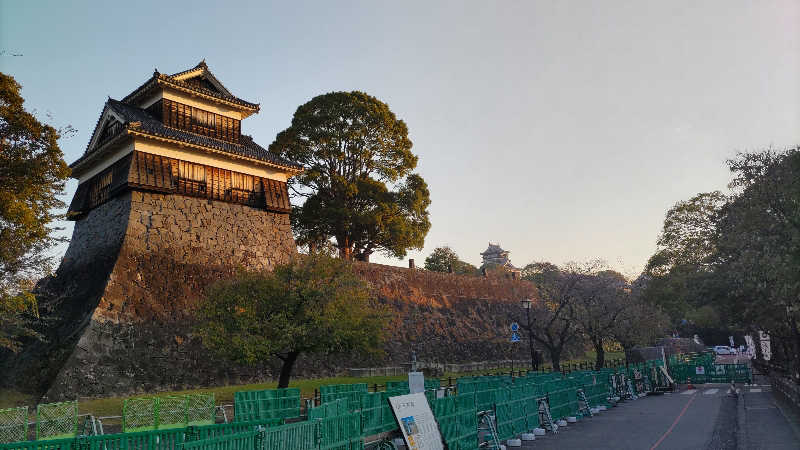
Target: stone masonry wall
{"points": [[124, 293], [447, 317], [138, 264], [177, 245]]}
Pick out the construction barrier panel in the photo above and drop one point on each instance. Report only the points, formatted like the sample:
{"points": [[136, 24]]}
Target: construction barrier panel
{"points": [[172, 412], [458, 421], [294, 436], [511, 418], [430, 383], [351, 392], [240, 441], [14, 424], [340, 432], [200, 409], [57, 420], [158, 413], [168, 439], [281, 403], [376, 414], [330, 409]]}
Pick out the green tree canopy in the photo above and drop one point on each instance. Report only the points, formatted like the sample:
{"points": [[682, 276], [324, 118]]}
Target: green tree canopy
{"points": [[32, 174], [688, 234], [758, 248], [680, 274], [358, 187], [443, 258], [314, 304]]}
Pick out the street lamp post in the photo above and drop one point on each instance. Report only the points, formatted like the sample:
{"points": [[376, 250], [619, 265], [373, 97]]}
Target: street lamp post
{"points": [[526, 305]]}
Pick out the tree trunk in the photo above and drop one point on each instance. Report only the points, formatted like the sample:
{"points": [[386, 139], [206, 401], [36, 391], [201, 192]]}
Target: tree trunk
{"points": [[286, 369], [600, 362], [345, 250], [555, 357], [757, 345], [794, 358]]}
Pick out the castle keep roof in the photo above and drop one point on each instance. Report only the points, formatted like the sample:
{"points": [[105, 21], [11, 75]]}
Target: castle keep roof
{"points": [[212, 88]]}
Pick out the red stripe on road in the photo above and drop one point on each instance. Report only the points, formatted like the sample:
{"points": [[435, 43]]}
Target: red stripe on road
{"points": [[674, 423]]}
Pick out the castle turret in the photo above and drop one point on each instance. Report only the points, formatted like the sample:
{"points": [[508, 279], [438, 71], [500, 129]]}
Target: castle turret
{"points": [[494, 256], [171, 198]]}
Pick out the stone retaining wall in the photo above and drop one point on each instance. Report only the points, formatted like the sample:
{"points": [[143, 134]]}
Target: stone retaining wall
{"points": [[138, 264]]}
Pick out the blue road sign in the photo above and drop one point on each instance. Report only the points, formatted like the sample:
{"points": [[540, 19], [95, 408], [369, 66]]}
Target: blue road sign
{"points": [[514, 326], [515, 337]]}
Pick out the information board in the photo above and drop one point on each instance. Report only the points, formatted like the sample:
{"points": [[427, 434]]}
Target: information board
{"points": [[414, 415]]}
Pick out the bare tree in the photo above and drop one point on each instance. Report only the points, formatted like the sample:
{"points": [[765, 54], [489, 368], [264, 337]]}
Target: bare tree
{"points": [[601, 300], [553, 323]]}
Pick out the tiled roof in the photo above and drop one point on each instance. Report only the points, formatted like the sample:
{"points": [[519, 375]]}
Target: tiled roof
{"points": [[139, 120], [172, 80]]}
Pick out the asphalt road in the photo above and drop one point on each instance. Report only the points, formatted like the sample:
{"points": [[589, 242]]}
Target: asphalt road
{"points": [[703, 419]]}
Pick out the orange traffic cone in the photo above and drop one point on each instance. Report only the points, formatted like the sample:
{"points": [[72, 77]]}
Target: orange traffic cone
{"points": [[689, 384]]}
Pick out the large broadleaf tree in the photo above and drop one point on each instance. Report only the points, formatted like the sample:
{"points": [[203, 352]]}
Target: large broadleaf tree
{"points": [[32, 174], [358, 187], [314, 304]]}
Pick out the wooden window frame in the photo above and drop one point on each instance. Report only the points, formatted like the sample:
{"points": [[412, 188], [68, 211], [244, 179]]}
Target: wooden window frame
{"points": [[200, 121]]}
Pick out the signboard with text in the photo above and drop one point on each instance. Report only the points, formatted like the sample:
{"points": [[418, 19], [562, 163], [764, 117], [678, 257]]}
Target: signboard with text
{"points": [[414, 415]]}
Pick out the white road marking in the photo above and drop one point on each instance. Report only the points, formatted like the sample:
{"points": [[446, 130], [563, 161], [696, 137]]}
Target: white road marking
{"points": [[689, 392], [710, 391], [755, 390]]}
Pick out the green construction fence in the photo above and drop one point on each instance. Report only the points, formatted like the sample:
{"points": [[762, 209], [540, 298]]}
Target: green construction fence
{"points": [[57, 420], [13, 424], [351, 392], [281, 403], [155, 413]]}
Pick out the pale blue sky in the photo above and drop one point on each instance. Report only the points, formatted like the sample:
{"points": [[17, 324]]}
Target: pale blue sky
{"points": [[563, 130]]}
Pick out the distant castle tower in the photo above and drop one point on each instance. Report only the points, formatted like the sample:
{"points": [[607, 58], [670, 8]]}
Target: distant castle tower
{"points": [[495, 256], [171, 197]]}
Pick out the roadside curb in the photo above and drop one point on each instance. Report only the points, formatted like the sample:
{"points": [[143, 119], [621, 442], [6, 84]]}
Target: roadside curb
{"points": [[741, 422]]}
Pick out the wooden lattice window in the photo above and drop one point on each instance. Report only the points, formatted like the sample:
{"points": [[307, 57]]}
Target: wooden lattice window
{"points": [[199, 121], [190, 178], [100, 188]]}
